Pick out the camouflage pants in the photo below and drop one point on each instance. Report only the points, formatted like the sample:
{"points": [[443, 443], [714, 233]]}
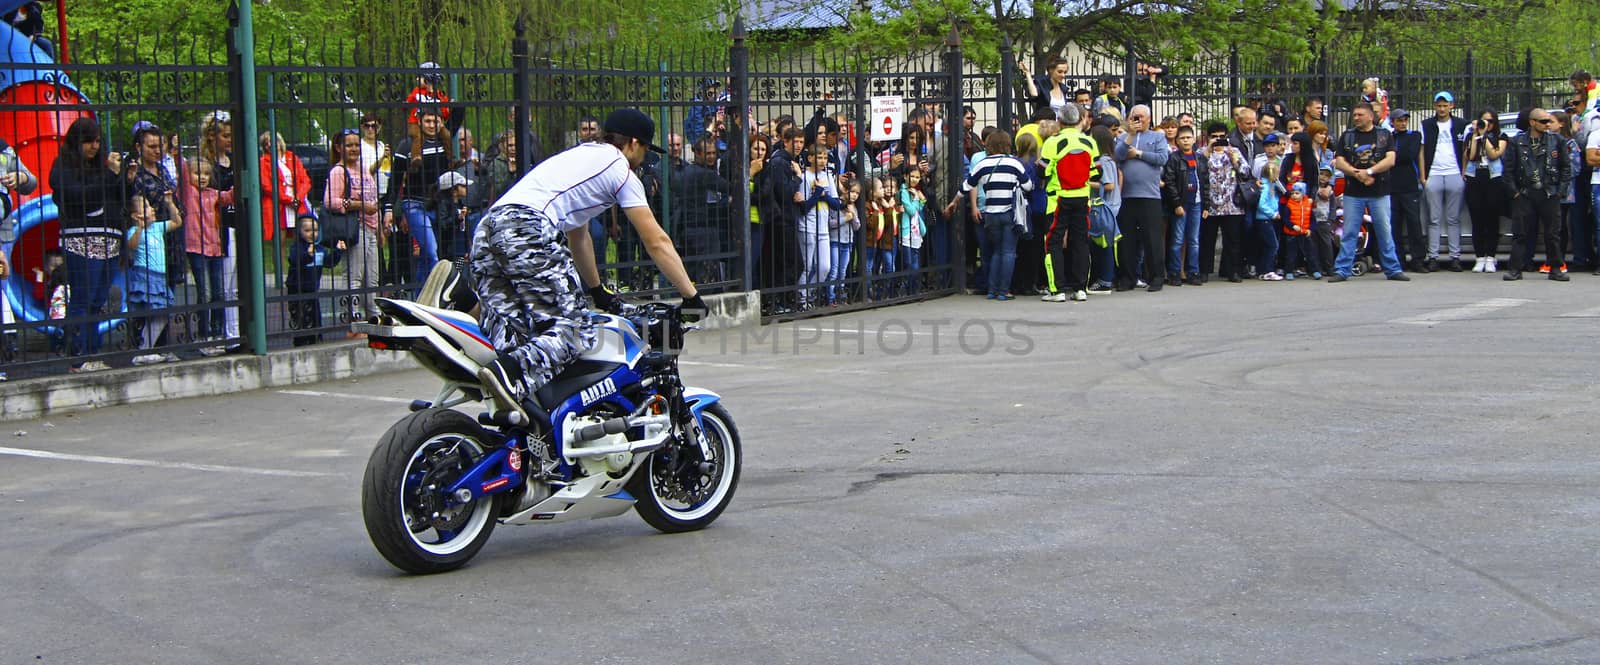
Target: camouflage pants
{"points": [[534, 308]]}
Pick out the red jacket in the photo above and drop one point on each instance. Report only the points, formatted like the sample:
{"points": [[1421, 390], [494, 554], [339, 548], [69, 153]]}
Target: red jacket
{"points": [[420, 95], [274, 204]]}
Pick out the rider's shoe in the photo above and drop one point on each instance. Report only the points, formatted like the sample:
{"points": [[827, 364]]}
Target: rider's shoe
{"points": [[457, 293], [503, 378]]}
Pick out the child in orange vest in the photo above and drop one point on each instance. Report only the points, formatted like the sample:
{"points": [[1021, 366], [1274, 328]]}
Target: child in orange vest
{"points": [[1297, 232]]}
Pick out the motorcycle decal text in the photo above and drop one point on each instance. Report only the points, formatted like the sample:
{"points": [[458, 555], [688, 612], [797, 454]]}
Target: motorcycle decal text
{"points": [[593, 393]]}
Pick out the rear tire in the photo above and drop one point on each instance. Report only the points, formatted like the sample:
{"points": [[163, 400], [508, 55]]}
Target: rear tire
{"points": [[656, 485], [434, 446]]}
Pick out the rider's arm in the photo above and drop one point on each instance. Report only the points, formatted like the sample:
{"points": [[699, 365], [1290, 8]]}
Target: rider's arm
{"points": [[582, 246], [659, 245]]}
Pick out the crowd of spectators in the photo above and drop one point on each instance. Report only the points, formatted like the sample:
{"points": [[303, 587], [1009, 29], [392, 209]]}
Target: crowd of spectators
{"points": [[1091, 194]]}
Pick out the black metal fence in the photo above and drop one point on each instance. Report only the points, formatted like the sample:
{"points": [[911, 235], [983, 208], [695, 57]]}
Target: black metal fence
{"points": [[347, 108]]}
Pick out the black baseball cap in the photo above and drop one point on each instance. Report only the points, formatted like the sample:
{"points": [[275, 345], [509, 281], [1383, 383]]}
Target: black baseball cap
{"points": [[633, 124]]}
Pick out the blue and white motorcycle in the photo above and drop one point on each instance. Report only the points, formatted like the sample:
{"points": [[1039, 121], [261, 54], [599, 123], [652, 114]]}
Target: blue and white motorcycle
{"points": [[616, 430]]}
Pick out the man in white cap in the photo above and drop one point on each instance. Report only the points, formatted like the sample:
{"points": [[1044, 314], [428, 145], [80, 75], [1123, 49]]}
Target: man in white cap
{"points": [[1443, 149]]}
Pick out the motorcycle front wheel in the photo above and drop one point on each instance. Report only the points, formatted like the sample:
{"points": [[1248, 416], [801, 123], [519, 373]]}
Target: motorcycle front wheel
{"points": [[678, 489], [409, 515]]}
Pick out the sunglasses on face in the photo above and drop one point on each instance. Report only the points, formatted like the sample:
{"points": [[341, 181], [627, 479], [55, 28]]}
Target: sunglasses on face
{"points": [[371, 125]]}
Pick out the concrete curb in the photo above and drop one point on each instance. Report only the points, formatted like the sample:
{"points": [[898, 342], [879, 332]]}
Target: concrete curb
{"points": [[38, 398]]}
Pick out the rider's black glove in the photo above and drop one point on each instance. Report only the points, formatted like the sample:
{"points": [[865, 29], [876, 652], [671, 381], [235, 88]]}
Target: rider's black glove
{"points": [[604, 300], [693, 309]]}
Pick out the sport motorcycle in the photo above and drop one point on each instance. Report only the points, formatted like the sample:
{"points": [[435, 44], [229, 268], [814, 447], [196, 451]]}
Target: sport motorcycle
{"points": [[615, 430]]}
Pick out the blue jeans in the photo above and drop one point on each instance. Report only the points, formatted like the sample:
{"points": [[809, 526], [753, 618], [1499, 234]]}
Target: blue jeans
{"points": [[1105, 263], [1184, 252], [1378, 208], [420, 223], [208, 289], [879, 262], [999, 250], [910, 261], [838, 269], [90, 282], [1266, 231]]}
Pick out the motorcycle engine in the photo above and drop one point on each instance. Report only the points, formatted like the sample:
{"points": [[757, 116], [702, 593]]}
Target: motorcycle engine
{"points": [[614, 463]]}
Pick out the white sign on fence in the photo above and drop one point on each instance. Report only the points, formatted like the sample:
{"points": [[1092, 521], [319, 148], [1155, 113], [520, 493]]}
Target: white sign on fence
{"points": [[887, 114]]}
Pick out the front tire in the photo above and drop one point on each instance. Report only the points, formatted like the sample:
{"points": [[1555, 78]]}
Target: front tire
{"points": [[415, 528], [677, 490]]}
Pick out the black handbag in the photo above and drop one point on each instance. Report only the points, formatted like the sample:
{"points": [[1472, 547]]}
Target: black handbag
{"points": [[337, 226], [1247, 195]]}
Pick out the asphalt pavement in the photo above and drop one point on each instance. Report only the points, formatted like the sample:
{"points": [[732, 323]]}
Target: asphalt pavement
{"points": [[1295, 472]]}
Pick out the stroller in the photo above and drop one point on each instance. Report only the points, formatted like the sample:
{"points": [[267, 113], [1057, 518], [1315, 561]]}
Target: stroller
{"points": [[1365, 261]]}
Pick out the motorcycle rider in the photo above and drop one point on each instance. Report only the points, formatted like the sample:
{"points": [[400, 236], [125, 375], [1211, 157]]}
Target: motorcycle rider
{"points": [[530, 283]]}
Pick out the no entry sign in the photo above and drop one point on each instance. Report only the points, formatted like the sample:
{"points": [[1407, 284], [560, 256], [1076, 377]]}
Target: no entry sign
{"points": [[885, 118]]}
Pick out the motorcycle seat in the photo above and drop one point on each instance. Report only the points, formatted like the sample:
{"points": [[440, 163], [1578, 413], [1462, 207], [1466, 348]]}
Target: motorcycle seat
{"points": [[568, 382]]}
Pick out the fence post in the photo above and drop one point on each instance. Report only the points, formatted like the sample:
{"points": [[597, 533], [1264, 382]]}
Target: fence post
{"points": [[1325, 82], [1233, 78], [1469, 100], [242, 53], [519, 89], [1527, 91], [739, 66], [1130, 68], [1003, 95], [1398, 97], [955, 162]]}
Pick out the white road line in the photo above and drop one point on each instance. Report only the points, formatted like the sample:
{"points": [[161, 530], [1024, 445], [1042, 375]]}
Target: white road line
{"points": [[857, 332], [701, 363], [372, 398], [97, 459], [1593, 313], [1473, 310]]}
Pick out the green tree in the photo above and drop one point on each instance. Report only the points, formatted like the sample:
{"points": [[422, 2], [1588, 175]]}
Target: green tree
{"points": [[1171, 31]]}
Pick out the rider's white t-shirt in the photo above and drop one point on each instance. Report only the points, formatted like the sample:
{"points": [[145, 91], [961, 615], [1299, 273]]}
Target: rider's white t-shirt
{"points": [[573, 186]]}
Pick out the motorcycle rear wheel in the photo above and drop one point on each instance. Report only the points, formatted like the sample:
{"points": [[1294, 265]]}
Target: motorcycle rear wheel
{"points": [[413, 527], [659, 489]]}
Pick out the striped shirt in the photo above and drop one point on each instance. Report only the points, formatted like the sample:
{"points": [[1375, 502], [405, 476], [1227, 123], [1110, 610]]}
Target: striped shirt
{"points": [[1000, 176]]}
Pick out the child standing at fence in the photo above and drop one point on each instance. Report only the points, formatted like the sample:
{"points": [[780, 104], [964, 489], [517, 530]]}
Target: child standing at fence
{"points": [[146, 279], [885, 230], [843, 226], [821, 198], [912, 230], [202, 233], [50, 286], [307, 259]]}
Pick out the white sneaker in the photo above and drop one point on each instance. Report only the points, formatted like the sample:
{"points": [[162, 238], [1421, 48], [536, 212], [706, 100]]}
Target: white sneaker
{"points": [[1080, 295], [1055, 297], [148, 359], [170, 358], [1141, 284], [212, 351], [1489, 265], [1479, 265]]}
